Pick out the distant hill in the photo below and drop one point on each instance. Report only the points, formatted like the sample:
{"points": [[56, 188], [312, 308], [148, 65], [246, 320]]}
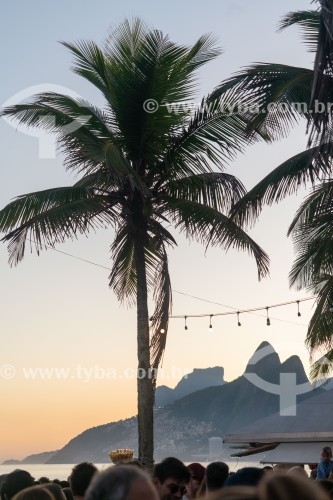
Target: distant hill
{"points": [[200, 378], [239, 402], [37, 458], [184, 426]]}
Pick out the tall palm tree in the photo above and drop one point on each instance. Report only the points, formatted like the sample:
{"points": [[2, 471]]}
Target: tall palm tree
{"points": [[280, 96], [140, 172]]}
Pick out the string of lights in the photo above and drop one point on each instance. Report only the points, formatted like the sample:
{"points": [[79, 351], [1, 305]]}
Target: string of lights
{"points": [[234, 311], [243, 311], [237, 311]]}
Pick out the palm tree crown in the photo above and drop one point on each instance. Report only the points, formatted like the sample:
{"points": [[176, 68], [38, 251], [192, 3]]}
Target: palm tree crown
{"points": [[139, 172]]}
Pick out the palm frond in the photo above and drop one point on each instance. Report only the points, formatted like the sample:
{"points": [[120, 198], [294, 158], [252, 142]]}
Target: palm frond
{"points": [[215, 135], [312, 233], [319, 334], [322, 367], [277, 94], [163, 304], [145, 65], [308, 21], [215, 189], [299, 170], [81, 129], [318, 203], [52, 216], [323, 72], [123, 278], [91, 63], [211, 227]]}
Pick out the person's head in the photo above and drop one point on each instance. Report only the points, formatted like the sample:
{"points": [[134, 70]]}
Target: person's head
{"points": [[268, 469], [44, 480], [197, 472], [15, 482], [34, 493], [288, 487], [326, 453], [234, 493], [247, 476], [121, 483], [81, 477], [298, 471], [216, 475], [56, 490], [68, 493], [170, 478]]}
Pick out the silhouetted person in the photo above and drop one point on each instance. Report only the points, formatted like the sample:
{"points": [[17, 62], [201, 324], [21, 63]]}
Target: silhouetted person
{"points": [[197, 472], [247, 476], [216, 475], [34, 493], [325, 466], [80, 479], [15, 482], [121, 483]]}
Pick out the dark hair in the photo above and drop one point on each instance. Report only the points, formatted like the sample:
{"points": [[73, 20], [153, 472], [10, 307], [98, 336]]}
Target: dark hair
{"points": [[292, 487], [114, 483], [216, 475], [327, 450], [171, 467], [55, 490], [247, 476], [81, 477], [34, 493], [16, 481], [68, 493]]}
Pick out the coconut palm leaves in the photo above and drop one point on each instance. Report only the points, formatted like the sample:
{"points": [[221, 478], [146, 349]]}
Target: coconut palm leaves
{"points": [[283, 95], [323, 73], [139, 171]]}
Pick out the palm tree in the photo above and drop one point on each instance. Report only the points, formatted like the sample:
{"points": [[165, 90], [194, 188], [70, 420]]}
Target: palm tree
{"points": [[140, 172], [282, 95]]}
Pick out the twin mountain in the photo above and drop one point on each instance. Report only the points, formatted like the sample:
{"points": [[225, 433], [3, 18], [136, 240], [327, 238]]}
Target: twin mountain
{"points": [[201, 406]]}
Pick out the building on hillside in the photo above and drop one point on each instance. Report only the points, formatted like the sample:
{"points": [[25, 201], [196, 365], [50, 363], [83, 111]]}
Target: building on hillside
{"points": [[215, 448]]}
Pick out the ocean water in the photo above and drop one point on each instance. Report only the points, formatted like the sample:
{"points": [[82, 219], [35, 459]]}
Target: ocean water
{"points": [[62, 471]]}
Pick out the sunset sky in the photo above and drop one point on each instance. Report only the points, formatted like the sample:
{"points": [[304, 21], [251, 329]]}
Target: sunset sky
{"points": [[57, 311]]}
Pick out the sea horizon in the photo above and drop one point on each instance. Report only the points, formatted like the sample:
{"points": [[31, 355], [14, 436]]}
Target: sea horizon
{"points": [[62, 471]]}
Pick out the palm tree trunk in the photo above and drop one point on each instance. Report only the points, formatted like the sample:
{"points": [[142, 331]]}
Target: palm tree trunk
{"points": [[144, 381]]}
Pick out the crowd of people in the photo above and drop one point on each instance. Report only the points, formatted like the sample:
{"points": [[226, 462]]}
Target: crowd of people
{"points": [[171, 479]]}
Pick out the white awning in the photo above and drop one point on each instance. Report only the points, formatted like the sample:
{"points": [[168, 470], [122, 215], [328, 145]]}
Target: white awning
{"points": [[295, 453]]}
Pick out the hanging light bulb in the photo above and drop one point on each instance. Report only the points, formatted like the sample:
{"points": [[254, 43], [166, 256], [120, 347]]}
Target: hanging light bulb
{"points": [[268, 321], [238, 322], [298, 312], [185, 318], [162, 330], [210, 321]]}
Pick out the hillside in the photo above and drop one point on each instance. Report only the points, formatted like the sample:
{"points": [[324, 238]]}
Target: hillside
{"points": [[184, 427], [200, 378]]}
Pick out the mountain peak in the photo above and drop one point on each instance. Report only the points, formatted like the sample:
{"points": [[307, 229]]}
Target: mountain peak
{"points": [[264, 362], [200, 378], [294, 365], [265, 344]]}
